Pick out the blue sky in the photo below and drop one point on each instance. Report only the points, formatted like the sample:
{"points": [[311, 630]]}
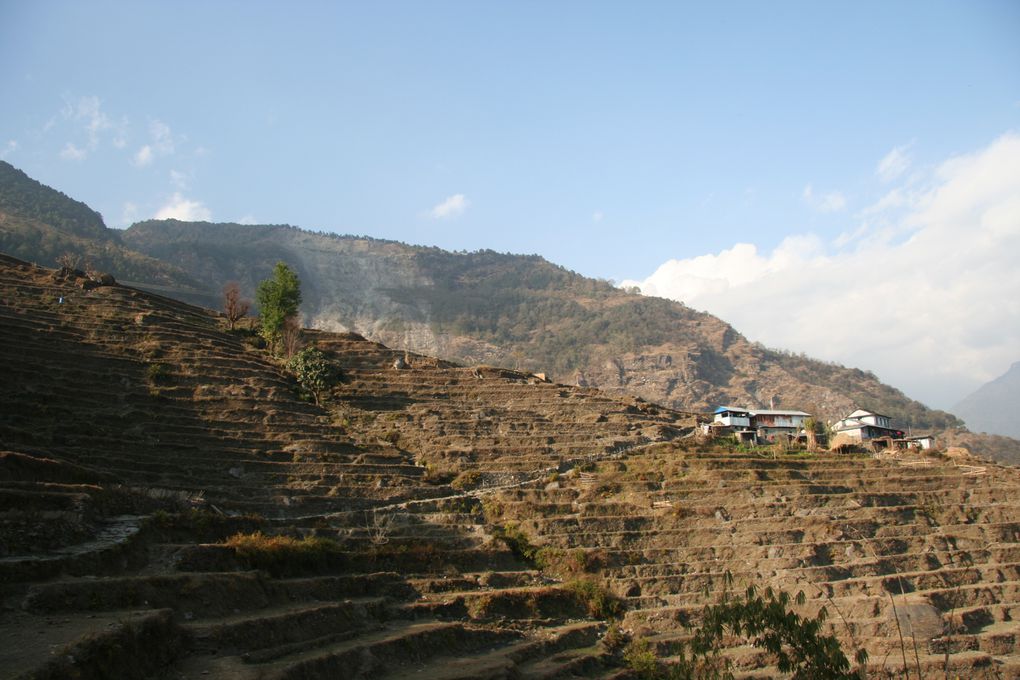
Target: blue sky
{"points": [[608, 137]]}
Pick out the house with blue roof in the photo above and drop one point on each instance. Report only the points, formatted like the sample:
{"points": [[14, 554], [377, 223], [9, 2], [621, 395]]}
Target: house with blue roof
{"points": [[753, 425]]}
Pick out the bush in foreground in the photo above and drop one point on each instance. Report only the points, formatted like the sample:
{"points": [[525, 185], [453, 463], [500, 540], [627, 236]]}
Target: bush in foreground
{"points": [[796, 643]]}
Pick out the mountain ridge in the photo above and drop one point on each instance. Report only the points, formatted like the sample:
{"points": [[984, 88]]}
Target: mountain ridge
{"points": [[523, 311], [992, 407], [42, 224], [482, 307]]}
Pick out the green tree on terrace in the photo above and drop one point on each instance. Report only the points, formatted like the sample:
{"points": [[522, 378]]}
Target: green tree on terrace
{"points": [[278, 298], [796, 644]]}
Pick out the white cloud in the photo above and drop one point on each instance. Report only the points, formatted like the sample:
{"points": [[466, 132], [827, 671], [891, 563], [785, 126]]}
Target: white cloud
{"points": [[717, 275], [832, 201], [120, 133], [144, 156], [129, 214], [161, 144], [162, 138], [184, 209], [247, 219], [454, 206], [179, 179], [86, 114], [87, 128], [70, 152], [897, 198], [10, 147], [930, 302], [88, 111], [894, 164]]}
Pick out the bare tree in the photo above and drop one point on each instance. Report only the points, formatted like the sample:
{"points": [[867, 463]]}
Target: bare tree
{"points": [[69, 261], [290, 336], [811, 430], [234, 306]]}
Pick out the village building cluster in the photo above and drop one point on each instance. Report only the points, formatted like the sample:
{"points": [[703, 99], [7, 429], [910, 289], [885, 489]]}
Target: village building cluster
{"points": [[862, 428]]}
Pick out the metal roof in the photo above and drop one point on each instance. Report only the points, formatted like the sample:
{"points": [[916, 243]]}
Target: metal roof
{"points": [[735, 409], [861, 426], [760, 412], [860, 413], [779, 413]]}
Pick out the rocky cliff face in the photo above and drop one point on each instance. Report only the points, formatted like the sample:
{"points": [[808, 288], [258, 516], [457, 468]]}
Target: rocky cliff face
{"points": [[678, 375]]}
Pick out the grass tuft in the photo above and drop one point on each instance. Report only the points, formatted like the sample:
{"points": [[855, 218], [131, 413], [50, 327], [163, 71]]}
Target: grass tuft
{"points": [[600, 603], [284, 555]]}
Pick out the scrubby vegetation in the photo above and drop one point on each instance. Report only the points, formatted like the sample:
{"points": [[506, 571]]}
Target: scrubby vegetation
{"points": [[37, 201], [284, 555], [557, 562], [313, 370], [517, 542], [599, 602], [767, 621]]}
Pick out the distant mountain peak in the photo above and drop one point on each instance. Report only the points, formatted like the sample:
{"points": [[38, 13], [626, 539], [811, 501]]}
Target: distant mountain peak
{"points": [[992, 408]]}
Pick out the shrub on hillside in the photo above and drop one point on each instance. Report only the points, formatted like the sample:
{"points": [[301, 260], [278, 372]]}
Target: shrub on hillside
{"points": [[285, 555], [314, 372], [766, 621], [599, 602]]}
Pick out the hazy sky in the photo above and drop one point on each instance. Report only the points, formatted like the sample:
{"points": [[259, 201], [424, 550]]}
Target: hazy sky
{"points": [[771, 162]]}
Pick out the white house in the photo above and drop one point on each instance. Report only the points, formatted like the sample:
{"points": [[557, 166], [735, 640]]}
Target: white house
{"points": [[765, 423], [923, 442], [769, 423], [732, 416], [868, 417], [864, 425]]}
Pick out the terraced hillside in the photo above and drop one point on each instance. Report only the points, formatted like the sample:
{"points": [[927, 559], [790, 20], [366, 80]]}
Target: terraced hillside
{"points": [[929, 543], [140, 436], [175, 505]]}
